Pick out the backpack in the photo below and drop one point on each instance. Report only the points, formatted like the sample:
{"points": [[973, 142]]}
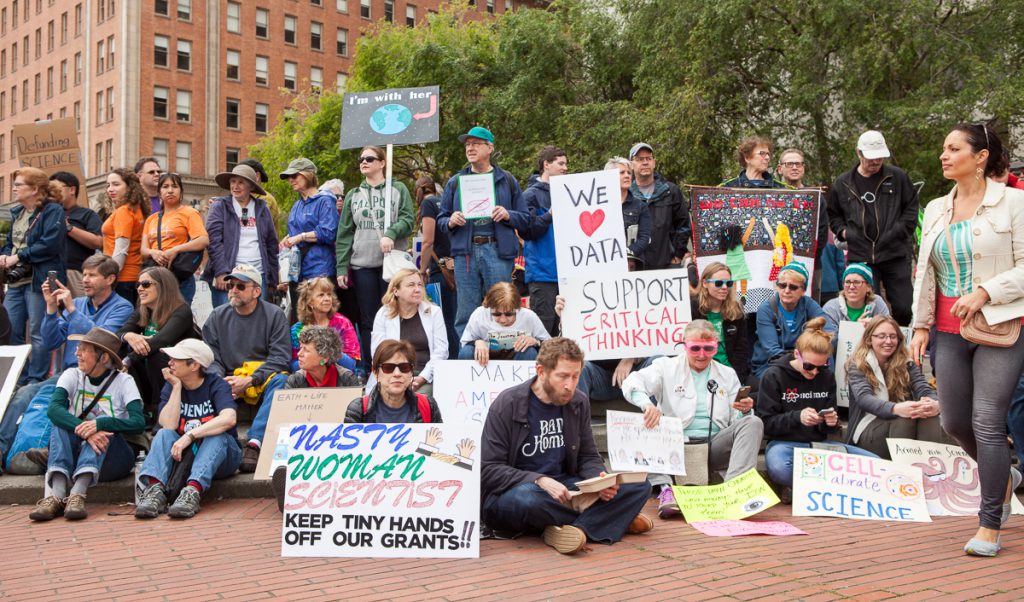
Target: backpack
{"points": [[421, 402], [34, 428]]}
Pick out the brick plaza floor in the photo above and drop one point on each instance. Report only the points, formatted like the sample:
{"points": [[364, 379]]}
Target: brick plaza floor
{"points": [[231, 551]]}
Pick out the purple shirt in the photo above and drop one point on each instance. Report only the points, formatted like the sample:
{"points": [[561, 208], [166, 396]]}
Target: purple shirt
{"points": [[154, 204]]}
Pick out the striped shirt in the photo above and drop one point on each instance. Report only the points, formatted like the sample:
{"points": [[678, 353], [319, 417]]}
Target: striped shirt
{"points": [[960, 233]]}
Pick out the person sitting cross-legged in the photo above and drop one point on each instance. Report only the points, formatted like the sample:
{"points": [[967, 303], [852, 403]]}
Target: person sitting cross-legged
{"points": [[501, 328]]}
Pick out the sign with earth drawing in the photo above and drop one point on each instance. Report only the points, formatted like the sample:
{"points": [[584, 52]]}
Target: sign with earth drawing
{"points": [[394, 116]]}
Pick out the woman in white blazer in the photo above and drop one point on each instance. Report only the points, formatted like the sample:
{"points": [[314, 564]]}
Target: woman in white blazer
{"points": [[406, 316], [983, 222]]}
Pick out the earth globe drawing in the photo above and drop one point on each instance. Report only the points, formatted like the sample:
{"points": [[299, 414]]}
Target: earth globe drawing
{"points": [[391, 119]]}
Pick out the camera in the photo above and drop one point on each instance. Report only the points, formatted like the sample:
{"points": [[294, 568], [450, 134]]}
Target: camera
{"points": [[19, 272]]}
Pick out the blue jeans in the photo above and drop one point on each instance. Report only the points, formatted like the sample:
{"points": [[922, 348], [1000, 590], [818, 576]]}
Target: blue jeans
{"points": [[449, 302], [72, 456], [23, 305], [528, 508], [467, 353], [596, 382], [15, 409], [370, 287], [1014, 420], [259, 423], [475, 274], [778, 455], [188, 289], [218, 457]]}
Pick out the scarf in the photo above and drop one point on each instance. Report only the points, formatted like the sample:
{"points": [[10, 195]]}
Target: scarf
{"points": [[882, 394]]}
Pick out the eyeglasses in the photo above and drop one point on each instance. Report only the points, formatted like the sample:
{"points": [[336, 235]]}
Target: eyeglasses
{"points": [[698, 347], [643, 159], [789, 286], [764, 154], [153, 172], [719, 283], [501, 314], [18, 184], [886, 337], [469, 143], [853, 283], [144, 284], [809, 367], [792, 164], [368, 159], [241, 286], [389, 368], [245, 217]]}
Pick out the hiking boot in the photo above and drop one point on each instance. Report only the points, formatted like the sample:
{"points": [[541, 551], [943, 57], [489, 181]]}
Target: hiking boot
{"points": [[567, 539], [74, 507], [47, 508], [667, 506], [152, 503], [277, 482], [186, 505], [250, 457], [39, 456], [641, 524]]}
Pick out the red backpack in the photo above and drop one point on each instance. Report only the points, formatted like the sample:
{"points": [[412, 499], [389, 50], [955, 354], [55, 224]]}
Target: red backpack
{"points": [[421, 402]]}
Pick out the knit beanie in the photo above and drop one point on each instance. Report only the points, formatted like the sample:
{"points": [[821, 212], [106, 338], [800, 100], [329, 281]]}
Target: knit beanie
{"points": [[862, 270]]}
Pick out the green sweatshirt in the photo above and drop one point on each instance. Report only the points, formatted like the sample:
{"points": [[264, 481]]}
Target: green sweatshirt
{"points": [[361, 225]]}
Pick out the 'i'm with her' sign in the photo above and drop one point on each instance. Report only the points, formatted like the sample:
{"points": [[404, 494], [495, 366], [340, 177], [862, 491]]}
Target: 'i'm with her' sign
{"points": [[586, 213], [383, 490]]}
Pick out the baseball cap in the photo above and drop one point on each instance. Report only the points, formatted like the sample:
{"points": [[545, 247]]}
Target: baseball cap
{"points": [[244, 271], [191, 349], [301, 164], [871, 144], [639, 146], [477, 132]]}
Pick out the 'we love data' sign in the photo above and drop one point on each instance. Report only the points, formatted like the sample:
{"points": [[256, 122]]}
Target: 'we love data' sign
{"points": [[586, 213]]}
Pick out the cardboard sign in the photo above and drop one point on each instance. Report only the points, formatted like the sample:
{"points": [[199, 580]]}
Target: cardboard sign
{"points": [[464, 390], [776, 226], [476, 195], [12, 360], [734, 528], [744, 496], [294, 406], [827, 483], [51, 146], [586, 212], [632, 446], [383, 490], [394, 116], [850, 334], [633, 314], [950, 476]]}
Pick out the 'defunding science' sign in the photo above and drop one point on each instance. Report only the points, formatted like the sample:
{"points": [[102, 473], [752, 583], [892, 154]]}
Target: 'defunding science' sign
{"points": [[383, 490], [586, 213]]}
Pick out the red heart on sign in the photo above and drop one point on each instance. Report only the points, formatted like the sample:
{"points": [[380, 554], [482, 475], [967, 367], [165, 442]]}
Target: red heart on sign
{"points": [[590, 221]]}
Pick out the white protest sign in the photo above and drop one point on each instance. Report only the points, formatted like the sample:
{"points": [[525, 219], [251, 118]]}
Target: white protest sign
{"points": [[382, 490], [633, 314], [632, 446], [12, 360], [586, 212], [476, 195], [850, 334], [951, 485], [827, 483], [464, 390]]}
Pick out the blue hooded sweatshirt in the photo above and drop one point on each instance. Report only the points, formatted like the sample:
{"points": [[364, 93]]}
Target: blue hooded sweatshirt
{"points": [[539, 248]]}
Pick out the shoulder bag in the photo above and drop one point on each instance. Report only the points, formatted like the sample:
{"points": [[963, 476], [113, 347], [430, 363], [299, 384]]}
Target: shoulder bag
{"points": [[184, 264], [977, 329]]}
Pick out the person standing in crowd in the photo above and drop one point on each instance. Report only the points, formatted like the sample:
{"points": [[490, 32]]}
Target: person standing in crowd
{"points": [[636, 215], [174, 230], [436, 263], [35, 246], [972, 260], [873, 207], [319, 358], [312, 223], [484, 250], [539, 236], [781, 318], [319, 307], [502, 328], [84, 231], [243, 230], [857, 302], [122, 230], [754, 155], [670, 212], [147, 169], [198, 412], [716, 302], [87, 444], [366, 236], [346, 296], [792, 167]]}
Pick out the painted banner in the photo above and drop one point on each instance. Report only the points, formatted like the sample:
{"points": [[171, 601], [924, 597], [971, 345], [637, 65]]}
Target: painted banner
{"points": [[633, 314], [850, 334], [51, 146], [744, 496], [394, 116], [755, 232], [951, 485], [382, 490], [734, 528], [632, 446], [586, 213], [827, 483], [477, 195], [465, 390]]}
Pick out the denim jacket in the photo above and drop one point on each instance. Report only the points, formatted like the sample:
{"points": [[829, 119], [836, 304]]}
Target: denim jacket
{"points": [[45, 245]]}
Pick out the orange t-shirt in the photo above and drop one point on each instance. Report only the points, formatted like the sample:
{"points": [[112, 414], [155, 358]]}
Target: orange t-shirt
{"points": [[178, 227], [125, 222]]}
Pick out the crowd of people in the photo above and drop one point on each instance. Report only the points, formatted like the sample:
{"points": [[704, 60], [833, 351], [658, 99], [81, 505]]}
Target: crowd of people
{"points": [[111, 288]]}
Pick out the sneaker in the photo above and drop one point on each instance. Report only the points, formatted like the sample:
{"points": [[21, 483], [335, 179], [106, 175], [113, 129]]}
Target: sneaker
{"points": [[250, 457], [74, 507], [186, 505], [277, 482], [641, 524], [152, 503], [667, 506], [566, 539], [47, 508]]}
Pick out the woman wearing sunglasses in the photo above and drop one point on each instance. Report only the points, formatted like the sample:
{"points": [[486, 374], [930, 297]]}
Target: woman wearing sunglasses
{"points": [[392, 398], [781, 317], [716, 302], [366, 236], [181, 230], [857, 302], [683, 385], [502, 329], [797, 402]]}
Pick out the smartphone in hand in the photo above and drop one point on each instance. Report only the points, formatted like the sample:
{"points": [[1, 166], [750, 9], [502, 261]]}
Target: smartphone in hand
{"points": [[743, 392], [826, 412], [51, 280]]}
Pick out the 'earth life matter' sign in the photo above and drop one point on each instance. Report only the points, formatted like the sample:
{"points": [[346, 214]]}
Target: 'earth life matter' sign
{"points": [[394, 116]]}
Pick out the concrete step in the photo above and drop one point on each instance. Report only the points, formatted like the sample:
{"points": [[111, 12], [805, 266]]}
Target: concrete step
{"points": [[26, 490]]}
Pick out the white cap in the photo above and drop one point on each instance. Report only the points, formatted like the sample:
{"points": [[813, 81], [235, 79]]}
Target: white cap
{"points": [[191, 349], [872, 145]]}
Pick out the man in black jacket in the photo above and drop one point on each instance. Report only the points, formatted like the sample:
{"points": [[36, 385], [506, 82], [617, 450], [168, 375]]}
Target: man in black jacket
{"points": [[670, 212], [873, 207], [536, 444]]}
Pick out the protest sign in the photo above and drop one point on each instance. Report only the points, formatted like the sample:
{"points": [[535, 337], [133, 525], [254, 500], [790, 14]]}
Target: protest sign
{"points": [[744, 496], [632, 446], [734, 528], [382, 490], [827, 483], [950, 476], [394, 116], [466, 389], [586, 214], [850, 334], [633, 314], [12, 360], [300, 406], [51, 146], [476, 195], [769, 228]]}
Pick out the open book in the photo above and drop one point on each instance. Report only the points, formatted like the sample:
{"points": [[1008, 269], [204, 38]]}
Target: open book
{"points": [[590, 489]]}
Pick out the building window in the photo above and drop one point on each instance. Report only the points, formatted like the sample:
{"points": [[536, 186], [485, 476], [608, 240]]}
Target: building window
{"points": [[24, 94], [14, 100], [160, 151], [49, 82], [289, 75], [490, 6], [232, 114], [184, 55], [410, 15], [262, 18], [183, 157], [262, 111], [24, 51], [109, 155], [316, 79], [159, 102], [162, 7], [234, 64], [261, 70], [51, 36], [342, 42], [185, 9], [14, 57], [78, 68], [3, 111], [78, 116], [63, 112], [78, 20], [389, 11], [231, 157], [63, 29], [64, 75], [315, 34], [99, 158], [364, 9], [101, 56], [101, 107], [342, 6], [110, 103], [3, 63], [110, 52], [38, 87], [160, 45], [101, 11], [183, 106], [234, 20], [289, 29], [39, 43], [316, 2], [339, 81]]}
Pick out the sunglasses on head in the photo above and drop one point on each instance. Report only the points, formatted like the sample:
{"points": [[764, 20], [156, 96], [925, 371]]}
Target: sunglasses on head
{"points": [[144, 284], [719, 283], [389, 368], [241, 286], [500, 314], [789, 286], [698, 347], [368, 159]]}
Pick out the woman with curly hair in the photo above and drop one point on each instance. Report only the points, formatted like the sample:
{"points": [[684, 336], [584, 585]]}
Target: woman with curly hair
{"points": [[122, 231], [318, 306], [319, 355]]}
